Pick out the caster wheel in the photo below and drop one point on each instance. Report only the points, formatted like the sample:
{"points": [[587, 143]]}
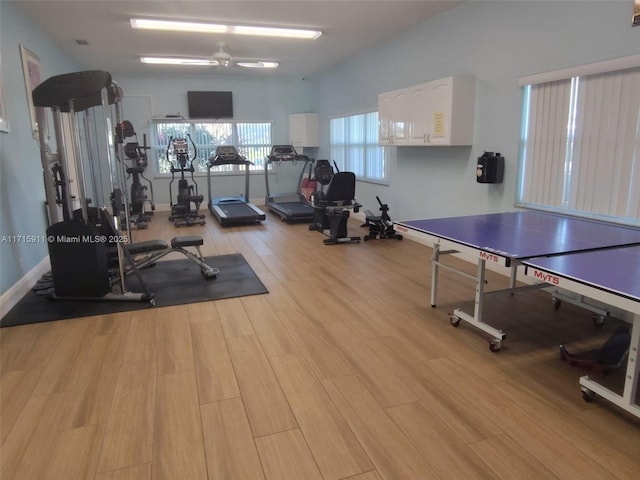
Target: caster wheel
{"points": [[495, 346], [588, 396], [455, 321], [556, 303], [598, 320]]}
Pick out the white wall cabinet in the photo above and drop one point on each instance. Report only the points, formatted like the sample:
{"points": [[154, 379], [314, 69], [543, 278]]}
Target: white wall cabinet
{"points": [[440, 112], [303, 130]]}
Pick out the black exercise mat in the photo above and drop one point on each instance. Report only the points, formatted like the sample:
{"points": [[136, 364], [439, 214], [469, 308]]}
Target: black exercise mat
{"points": [[173, 282]]}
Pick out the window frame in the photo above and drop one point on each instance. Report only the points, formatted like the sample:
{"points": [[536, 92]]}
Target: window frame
{"points": [[158, 152], [370, 140]]}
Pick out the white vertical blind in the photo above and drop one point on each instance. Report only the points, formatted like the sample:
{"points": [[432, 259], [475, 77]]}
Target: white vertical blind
{"points": [[546, 143], [354, 146], [581, 145]]}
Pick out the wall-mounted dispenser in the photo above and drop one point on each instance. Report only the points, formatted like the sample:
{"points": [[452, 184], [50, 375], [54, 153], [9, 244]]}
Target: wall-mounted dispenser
{"points": [[490, 168]]}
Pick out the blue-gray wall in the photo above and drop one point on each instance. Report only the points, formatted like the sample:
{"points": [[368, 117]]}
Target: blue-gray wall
{"points": [[496, 41], [268, 98], [21, 188]]}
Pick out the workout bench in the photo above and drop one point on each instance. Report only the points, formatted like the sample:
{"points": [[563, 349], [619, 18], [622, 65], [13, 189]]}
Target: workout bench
{"points": [[156, 249]]}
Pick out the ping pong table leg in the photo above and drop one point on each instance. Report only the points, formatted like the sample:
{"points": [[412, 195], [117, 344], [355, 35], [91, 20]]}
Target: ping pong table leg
{"points": [[435, 259], [514, 275], [495, 344], [633, 368]]}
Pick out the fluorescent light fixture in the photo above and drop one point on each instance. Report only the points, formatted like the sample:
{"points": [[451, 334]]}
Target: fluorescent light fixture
{"points": [[220, 28], [258, 64], [202, 62], [176, 61]]}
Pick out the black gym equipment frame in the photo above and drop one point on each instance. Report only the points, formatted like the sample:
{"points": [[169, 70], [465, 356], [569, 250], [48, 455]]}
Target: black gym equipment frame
{"points": [[181, 212], [90, 247], [86, 247], [137, 154], [290, 207], [232, 210]]}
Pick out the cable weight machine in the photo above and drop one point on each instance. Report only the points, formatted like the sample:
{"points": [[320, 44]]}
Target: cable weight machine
{"points": [[86, 243]]}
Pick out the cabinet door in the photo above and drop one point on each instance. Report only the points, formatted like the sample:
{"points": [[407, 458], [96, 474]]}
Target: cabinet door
{"points": [[385, 118], [401, 117], [419, 128], [439, 112], [303, 129]]}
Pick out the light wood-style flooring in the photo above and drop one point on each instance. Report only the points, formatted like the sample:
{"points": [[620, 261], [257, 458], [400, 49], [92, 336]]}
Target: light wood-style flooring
{"points": [[341, 371]]}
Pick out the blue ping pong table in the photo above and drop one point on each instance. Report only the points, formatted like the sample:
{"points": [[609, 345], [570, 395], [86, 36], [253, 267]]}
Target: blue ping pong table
{"points": [[508, 239], [554, 250]]}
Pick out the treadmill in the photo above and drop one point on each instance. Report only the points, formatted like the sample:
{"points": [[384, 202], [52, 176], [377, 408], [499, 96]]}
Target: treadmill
{"points": [[232, 210], [291, 207]]}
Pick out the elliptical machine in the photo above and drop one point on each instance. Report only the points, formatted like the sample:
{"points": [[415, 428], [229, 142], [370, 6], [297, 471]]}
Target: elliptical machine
{"points": [[181, 212], [138, 217]]}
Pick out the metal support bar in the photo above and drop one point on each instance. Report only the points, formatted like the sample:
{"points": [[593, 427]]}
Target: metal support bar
{"points": [[626, 401]]}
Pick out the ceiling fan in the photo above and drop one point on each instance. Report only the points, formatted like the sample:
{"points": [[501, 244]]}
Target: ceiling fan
{"points": [[222, 58]]}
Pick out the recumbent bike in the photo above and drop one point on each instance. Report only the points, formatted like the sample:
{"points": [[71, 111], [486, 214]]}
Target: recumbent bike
{"points": [[333, 207]]}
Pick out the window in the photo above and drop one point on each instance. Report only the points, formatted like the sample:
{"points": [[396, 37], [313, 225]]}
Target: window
{"points": [[253, 141], [580, 145], [354, 146]]}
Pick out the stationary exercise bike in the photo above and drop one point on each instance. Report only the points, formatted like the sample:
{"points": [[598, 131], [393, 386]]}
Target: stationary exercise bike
{"points": [[181, 212], [138, 217], [380, 226], [332, 208]]}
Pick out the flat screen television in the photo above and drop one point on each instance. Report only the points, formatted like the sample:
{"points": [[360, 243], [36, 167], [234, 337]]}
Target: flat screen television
{"points": [[210, 104]]}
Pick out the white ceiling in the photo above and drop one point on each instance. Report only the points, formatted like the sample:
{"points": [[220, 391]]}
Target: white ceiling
{"points": [[348, 27]]}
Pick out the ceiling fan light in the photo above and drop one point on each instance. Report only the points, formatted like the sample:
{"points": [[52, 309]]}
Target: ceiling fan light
{"points": [[258, 64], [177, 61], [170, 25]]}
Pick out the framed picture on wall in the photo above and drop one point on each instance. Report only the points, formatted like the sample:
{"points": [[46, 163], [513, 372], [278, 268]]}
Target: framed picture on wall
{"points": [[32, 78], [636, 13], [4, 121]]}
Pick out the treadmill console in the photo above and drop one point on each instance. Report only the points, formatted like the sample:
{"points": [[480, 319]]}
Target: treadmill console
{"points": [[286, 153], [226, 155], [283, 152], [227, 152]]}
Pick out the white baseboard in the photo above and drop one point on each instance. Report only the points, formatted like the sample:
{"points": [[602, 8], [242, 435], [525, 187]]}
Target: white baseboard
{"points": [[19, 289], [162, 207]]}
